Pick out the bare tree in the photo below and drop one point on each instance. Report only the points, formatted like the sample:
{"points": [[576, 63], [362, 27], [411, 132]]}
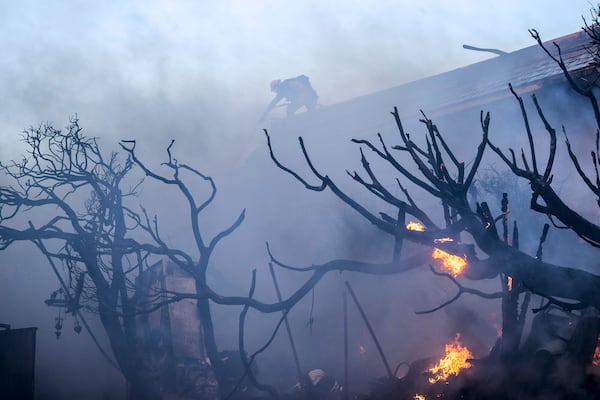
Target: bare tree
{"points": [[433, 162], [79, 207], [78, 200], [91, 228], [195, 265], [434, 168], [541, 183]]}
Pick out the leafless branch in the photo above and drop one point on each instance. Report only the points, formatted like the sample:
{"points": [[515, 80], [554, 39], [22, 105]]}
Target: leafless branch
{"points": [[461, 291]]}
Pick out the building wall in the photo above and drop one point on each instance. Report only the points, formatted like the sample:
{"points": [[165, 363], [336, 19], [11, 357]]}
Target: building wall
{"points": [[173, 350]]}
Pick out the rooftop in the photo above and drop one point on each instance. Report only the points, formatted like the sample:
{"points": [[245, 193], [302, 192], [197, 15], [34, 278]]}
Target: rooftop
{"points": [[464, 88]]}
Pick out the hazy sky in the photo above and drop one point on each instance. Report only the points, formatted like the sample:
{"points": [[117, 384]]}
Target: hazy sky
{"points": [[200, 70]]}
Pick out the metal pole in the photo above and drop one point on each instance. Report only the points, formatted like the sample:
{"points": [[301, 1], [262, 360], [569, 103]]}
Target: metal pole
{"points": [[371, 331], [287, 325], [346, 393]]}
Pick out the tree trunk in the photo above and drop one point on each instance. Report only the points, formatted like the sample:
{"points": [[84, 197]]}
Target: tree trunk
{"points": [[210, 344], [511, 335]]}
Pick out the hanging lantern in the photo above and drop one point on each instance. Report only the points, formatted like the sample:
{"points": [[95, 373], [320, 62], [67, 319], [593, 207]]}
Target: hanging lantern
{"points": [[77, 327], [58, 321]]}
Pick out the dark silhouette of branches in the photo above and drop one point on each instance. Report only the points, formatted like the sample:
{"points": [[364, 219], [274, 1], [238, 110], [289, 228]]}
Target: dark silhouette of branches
{"points": [[82, 222], [541, 184], [451, 186], [461, 290]]}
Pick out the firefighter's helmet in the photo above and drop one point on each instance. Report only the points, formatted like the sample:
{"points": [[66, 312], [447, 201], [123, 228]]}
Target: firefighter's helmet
{"points": [[274, 84]]}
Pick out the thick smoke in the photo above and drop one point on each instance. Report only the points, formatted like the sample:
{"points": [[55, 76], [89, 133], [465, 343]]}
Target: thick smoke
{"points": [[198, 73]]}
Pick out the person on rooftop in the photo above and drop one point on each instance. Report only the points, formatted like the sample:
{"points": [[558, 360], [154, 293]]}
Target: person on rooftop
{"points": [[298, 93]]}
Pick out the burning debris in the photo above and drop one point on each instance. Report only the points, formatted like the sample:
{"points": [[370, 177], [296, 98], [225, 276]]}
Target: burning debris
{"points": [[532, 372], [455, 360], [430, 378]]}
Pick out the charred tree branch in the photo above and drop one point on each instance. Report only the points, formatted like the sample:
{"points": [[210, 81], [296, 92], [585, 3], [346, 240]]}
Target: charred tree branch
{"points": [[461, 291]]}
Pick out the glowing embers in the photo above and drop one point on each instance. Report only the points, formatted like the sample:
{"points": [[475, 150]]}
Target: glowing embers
{"points": [[415, 226], [454, 361], [509, 283], [454, 265], [443, 240], [419, 397]]}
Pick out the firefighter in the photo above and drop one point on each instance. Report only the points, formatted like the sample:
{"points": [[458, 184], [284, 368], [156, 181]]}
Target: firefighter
{"points": [[296, 91]]}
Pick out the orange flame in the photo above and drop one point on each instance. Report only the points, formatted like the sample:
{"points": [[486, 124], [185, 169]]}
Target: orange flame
{"points": [[415, 226], [596, 357], [419, 397], [450, 263], [509, 283], [443, 240], [452, 363]]}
